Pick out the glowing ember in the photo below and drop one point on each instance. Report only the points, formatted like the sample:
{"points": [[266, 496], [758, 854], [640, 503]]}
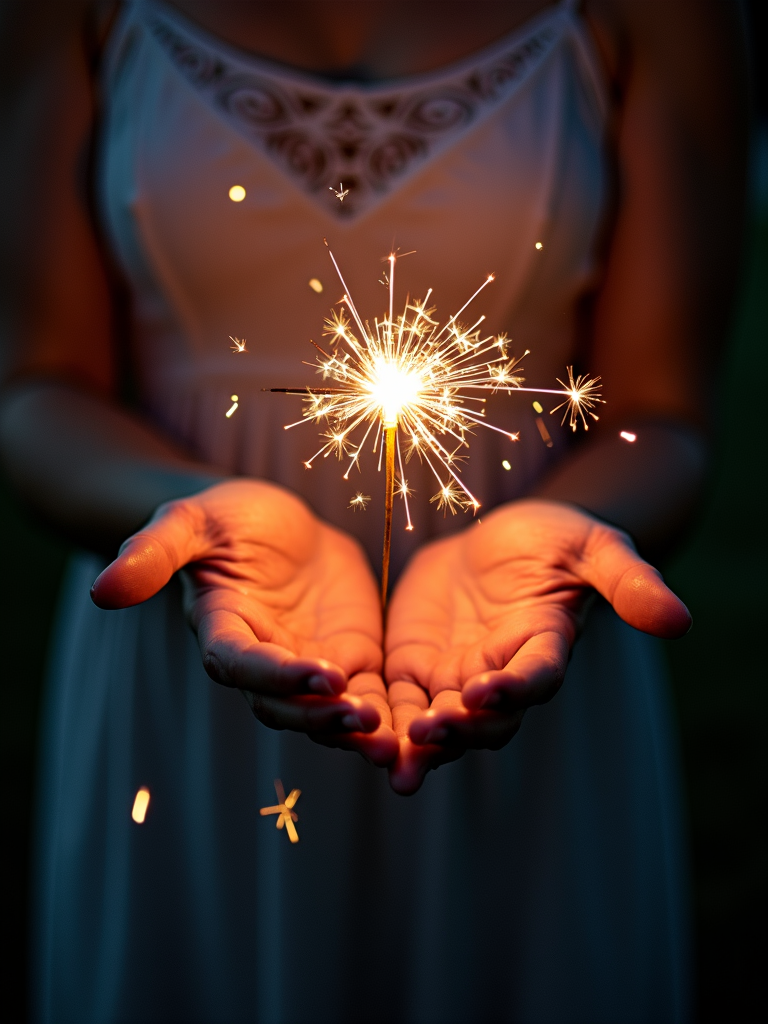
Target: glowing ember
{"points": [[237, 193], [229, 411], [538, 407], [506, 464], [140, 805], [315, 285], [539, 245], [284, 810], [628, 436]]}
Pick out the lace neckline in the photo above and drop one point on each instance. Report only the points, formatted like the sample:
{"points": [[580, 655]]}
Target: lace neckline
{"points": [[366, 137]]}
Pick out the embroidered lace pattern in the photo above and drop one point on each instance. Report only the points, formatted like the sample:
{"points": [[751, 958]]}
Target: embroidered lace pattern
{"points": [[367, 139]]}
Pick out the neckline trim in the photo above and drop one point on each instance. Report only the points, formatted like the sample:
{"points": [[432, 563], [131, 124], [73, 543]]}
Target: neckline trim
{"points": [[348, 146], [309, 79]]}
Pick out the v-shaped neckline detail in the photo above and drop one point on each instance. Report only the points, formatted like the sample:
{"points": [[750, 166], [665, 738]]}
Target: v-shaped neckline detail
{"points": [[366, 138]]}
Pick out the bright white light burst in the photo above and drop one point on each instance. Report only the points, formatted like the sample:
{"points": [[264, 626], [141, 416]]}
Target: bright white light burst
{"points": [[406, 373]]}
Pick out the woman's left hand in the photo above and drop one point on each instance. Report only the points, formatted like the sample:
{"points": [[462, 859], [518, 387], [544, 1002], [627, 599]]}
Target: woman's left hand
{"points": [[481, 625]]}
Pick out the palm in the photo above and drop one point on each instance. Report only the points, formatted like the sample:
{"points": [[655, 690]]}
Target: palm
{"points": [[284, 607], [481, 625]]}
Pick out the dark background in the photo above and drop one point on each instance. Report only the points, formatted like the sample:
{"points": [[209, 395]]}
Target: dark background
{"points": [[718, 670]]}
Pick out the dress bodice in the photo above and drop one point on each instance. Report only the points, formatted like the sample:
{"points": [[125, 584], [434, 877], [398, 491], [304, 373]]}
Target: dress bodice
{"points": [[470, 166]]}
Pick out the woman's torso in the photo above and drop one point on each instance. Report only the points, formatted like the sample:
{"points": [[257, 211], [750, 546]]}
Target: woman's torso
{"points": [[494, 164]]}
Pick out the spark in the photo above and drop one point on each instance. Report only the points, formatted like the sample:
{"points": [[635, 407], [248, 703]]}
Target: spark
{"points": [[342, 194], [538, 407], [539, 245], [284, 810], [359, 501], [506, 464], [583, 394], [315, 285], [237, 193], [232, 408], [628, 436], [140, 805], [405, 373], [238, 344]]}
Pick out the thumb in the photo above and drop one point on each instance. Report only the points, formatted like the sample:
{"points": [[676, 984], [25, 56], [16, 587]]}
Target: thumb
{"points": [[148, 559], [635, 589]]}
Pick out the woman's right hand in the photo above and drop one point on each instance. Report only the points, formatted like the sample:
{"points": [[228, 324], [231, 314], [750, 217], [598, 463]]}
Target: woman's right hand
{"points": [[284, 606]]}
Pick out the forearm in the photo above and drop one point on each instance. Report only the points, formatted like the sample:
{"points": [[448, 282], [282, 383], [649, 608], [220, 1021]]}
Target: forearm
{"points": [[648, 487], [91, 468]]}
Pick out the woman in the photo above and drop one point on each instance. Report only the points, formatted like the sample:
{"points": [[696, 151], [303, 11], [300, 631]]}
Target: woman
{"points": [[541, 882]]}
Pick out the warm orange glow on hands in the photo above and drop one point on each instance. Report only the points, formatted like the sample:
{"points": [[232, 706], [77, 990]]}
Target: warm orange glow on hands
{"points": [[284, 607], [481, 625]]}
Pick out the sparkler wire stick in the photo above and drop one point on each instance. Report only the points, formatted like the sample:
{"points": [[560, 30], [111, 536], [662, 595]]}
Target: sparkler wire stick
{"points": [[389, 497]]}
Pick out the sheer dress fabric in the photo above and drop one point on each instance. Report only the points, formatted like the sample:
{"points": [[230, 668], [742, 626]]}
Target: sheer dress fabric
{"points": [[541, 883]]}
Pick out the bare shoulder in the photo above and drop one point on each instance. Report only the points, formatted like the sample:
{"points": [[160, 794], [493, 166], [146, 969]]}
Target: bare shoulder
{"points": [[692, 51]]}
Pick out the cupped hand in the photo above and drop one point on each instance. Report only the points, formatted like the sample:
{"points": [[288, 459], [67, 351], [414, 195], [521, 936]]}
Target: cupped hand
{"points": [[284, 607], [481, 625]]}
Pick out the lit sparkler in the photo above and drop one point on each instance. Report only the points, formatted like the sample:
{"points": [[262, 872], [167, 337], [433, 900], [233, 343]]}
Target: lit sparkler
{"points": [[238, 344], [407, 374], [284, 810]]}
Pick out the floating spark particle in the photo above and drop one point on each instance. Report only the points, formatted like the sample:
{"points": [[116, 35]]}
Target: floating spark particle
{"points": [[538, 407], [407, 374], [237, 193], [539, 245], [229, 411], [583, 393], [628, 436], [238, 344], [342, 194], [315, 285], [542, 428], [506, 464], [140, 805], [284, 810], [450, 499], [359, 501]]}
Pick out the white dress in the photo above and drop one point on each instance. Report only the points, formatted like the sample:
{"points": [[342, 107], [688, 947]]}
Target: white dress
{"points": [[541, 883]]}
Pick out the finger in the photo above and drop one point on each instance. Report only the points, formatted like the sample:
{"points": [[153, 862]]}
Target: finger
{"points": [[380, 747], [634, 588], [369, 687], [532, 676], [234, 656], [147, 560], [314, 715], [408, 771], [407, 701], [448, 723]]}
